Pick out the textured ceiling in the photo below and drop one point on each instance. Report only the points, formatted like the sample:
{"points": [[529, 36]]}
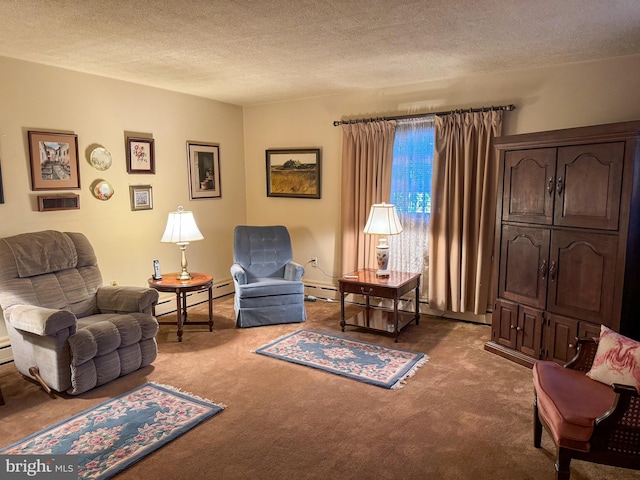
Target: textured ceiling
{"points": [[254, 51]]}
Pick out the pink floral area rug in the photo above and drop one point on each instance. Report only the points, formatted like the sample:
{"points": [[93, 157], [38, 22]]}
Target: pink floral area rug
{"points": [[115, 434], [367, 362]]}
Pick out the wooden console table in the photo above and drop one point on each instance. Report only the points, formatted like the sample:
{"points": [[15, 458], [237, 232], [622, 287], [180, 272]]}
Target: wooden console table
{"points": [[199, 282], [364, 282]]}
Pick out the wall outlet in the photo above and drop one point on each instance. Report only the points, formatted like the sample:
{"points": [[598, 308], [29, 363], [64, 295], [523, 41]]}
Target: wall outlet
{"points": [[314, 262]]}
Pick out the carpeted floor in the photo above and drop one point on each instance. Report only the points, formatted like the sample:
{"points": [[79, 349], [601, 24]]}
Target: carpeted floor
{"points": [[466, 414]]}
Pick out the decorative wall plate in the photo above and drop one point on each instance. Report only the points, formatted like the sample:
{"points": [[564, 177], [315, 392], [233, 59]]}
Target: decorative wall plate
{"points": [[100, 158], [102, 190]]}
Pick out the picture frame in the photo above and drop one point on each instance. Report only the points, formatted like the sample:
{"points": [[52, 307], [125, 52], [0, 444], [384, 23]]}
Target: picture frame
{"points": [[54, 161], [1, 187], [141, 197], [204, 170], [294, 172], [141, 155]]}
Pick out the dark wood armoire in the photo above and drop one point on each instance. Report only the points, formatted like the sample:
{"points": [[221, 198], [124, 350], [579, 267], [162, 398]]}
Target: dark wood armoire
{"points": [[567, 248]]}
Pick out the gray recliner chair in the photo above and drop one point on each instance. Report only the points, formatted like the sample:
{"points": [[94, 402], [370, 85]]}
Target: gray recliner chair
{"points": [[68, 331], [269, 288]]}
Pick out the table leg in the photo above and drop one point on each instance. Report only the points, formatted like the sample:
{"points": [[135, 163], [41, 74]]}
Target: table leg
{"points": [[417, 317], [342, 321], [179, 314], [211, 308], [395, 318]]}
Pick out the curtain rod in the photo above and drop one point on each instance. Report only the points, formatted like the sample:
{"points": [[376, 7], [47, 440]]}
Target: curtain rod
{"points": [[506, 108]]}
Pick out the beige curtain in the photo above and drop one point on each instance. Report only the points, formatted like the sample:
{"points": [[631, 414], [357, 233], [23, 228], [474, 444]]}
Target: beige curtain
{"points": [[367, 154], [461, 231]]}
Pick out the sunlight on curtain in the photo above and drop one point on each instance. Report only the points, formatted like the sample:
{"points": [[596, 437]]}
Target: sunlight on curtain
{"points": [[411, 194]]}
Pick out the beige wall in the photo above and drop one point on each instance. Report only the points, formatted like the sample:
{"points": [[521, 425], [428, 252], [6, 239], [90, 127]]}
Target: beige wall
{"points": [[546, 99], [99, 111]]}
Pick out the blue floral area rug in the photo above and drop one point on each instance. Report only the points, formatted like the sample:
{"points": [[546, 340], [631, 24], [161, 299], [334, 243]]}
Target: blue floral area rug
{"points": [[117, 433], [368, 362]]}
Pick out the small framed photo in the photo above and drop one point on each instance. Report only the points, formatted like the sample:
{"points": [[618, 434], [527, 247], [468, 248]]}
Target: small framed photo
{"points": [[141, 197], [140, 155], [294, 173], [1, 188], [54, 161], [204, 170]]}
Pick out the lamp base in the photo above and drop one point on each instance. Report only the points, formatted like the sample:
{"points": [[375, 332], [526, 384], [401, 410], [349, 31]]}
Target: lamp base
{"points": [[382, 256], [184, 276]]}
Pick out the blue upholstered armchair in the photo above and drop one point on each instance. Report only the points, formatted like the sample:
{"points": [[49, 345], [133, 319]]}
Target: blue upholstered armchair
{"points": [[269, 288]]}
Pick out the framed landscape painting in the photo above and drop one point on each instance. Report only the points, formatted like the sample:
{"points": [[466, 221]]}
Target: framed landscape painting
{"points": [[204, 170], [54, 161], [294, 173]]}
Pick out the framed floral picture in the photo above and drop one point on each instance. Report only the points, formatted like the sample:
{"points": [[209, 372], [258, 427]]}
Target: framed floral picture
{"points": [[54, 161], [204, 170], [140, 155]]}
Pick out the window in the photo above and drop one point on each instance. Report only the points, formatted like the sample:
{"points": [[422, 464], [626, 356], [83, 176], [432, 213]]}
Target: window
{"points": [[413, 151]]}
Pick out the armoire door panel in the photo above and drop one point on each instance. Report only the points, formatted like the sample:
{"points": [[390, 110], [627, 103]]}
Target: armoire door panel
{"points": [[561, 335], [524, 265], [504, 322], [529, 331], [529, 180], [588, 330], [589, 178], [581, 277]]}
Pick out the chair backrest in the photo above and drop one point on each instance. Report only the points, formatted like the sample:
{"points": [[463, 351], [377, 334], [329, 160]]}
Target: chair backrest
{"points": [[49, 269], [262, 251]]}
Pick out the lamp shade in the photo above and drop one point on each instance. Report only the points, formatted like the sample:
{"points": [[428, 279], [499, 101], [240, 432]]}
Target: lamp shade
{"points": [[181, 228], [383, 220]]}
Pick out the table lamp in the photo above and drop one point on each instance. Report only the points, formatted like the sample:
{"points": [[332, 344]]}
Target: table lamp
{"points": [[383, 220], [182, 229]]}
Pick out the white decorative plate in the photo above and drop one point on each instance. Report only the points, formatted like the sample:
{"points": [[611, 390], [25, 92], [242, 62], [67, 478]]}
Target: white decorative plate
{"points": [[100, 158], [103, 190]]}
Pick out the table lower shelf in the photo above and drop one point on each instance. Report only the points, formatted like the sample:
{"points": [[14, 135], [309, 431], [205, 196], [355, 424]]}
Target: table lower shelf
{"points": [[380, 320]]}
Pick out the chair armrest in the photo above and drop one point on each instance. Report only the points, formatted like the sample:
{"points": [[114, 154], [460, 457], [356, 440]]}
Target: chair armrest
{"points": [[40, 321], [620, 425], [238, 274], [293, 271], [126, 299], [583, 360]]}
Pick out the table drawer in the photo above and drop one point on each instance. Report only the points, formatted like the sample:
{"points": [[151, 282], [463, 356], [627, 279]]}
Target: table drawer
{"points": [[372, 290]]}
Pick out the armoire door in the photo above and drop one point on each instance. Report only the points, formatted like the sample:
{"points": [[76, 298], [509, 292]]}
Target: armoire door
{"points": [[561, 334], [581, 275], [529, 181], [524, 257], [587, 178], [529, 331], [504, 322]]}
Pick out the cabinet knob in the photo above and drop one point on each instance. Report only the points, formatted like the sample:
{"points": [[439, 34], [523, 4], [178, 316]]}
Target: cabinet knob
{"points": [[559, 186], [512, 327], [543, 269], [571, 345], [550, 186]]}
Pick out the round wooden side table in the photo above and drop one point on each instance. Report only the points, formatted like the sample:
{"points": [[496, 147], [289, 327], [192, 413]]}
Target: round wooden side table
{"points": [[198, 282]]}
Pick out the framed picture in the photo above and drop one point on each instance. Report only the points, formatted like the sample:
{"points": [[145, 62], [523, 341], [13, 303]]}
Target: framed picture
{"points": [[204, 170], [54, 161], [1, 188], [294, 173], [141, 197], [140, 155]]}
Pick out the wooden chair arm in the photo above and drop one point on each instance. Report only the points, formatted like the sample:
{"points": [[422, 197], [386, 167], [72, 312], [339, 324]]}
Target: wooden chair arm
{"points": [[585, 354]]}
